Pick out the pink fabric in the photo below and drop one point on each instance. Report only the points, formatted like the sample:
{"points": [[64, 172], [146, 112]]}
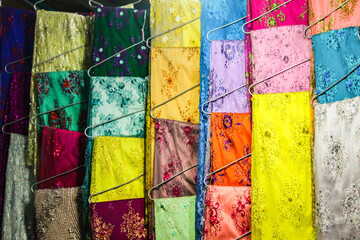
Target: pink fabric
{"points": [[61, 151], [292, 13], [227, 212], [276, 49]]}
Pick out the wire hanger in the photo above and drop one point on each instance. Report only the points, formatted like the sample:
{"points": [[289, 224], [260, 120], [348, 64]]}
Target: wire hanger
{"points": [[271, 10], [35, 4], [244, 235], [306, 29], [160, 184], [95, 6], [13, 62], [113, 188], [218, 28], [59, 175], [265, 79], [217, 98], [10, 123]]}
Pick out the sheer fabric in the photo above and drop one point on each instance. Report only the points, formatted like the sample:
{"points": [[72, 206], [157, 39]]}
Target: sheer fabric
{"points": [[115, 161], [166, 15], [276, 49], [281, 170], [176, 145], [337, 169], [336, 53]]}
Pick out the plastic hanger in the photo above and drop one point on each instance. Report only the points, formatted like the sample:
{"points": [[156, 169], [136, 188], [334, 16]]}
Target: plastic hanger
{"points": [[160, 184], [13, 62], [11, 123], [218, 28], [306, 29], [113, 188], [38, 2], [244, 235], [271, 10], [265, 79], [59, 175]]}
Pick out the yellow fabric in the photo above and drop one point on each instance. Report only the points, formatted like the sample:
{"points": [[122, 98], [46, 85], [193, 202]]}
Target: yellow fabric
{"points": [[281, 167], [165, 15], [117, 160]]}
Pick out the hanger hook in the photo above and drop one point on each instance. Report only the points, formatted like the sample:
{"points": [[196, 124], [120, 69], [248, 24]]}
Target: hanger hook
{"points": [[228, 24], [35, 5], [10, 123], [13, 62], [95, 6]]}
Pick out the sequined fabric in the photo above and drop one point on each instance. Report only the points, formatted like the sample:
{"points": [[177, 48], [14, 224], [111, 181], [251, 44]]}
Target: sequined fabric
{"points": [[115, 30], [58, 214], [176, 145], [281, 171]]}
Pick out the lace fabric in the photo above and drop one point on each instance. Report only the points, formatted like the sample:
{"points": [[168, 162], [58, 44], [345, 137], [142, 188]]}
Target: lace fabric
{"points": [[227, 72], [342, 18], [166, 15], [117, 160], [230, 140], [336, 53], [117, 29], [276, 49], [337, 169], [281, 167], [58, 213], [18, 218], [175, 218], [176, 145], [227, 212]]}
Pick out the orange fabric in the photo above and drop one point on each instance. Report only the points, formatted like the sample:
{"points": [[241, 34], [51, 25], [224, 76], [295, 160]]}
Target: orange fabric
{"points": [[230, 140]]}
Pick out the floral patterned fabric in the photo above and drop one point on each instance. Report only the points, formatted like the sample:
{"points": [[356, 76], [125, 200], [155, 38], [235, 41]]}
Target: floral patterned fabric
{"points": [[227, 72], [336, 53], [170, 14], [276, 49], [292, 13], [230, 140], [115, 30], [337, 169], [176, 145], [281, 170], [227, 212], [118, 220]]}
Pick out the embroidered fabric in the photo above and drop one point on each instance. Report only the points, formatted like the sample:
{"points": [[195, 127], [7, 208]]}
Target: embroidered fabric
{"points": [[342, 18], [58, 213], [122, 219], [18, 218], [337, 167], [61, 151], [276, 49], [175, 218], [115, 161], [58, 89], [281, 170], [227, 212], [176, 145], [227, 72], [230, 140], [116, 29], [214, 13], [113, 97], [292, 13], [166, 15], [336, 53]]}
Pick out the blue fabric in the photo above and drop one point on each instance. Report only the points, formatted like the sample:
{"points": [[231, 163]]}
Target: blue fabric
{"points": [[214, 13], [336, 53]]}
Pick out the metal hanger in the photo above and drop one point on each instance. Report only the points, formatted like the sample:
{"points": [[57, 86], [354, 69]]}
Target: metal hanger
{"points": [[244, 235], [10, 123], [59, 175], [160, 184], [113, 188], [28, 2], [35, 4], [217, 98], [265, 79], [94, 6], [254, 19], [13, 62], [220, 169], [218, 28], [306, 29], [170, 99]]}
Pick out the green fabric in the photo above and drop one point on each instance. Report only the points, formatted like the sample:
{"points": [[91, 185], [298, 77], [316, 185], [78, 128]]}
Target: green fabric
{"points": [[175, 218]]}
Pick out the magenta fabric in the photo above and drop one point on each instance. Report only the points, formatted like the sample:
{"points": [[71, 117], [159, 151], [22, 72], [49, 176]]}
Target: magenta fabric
{"points": [[292, 13], [116, 220], [61, 151], [227, 72], [276, 49], [176, 148]]}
